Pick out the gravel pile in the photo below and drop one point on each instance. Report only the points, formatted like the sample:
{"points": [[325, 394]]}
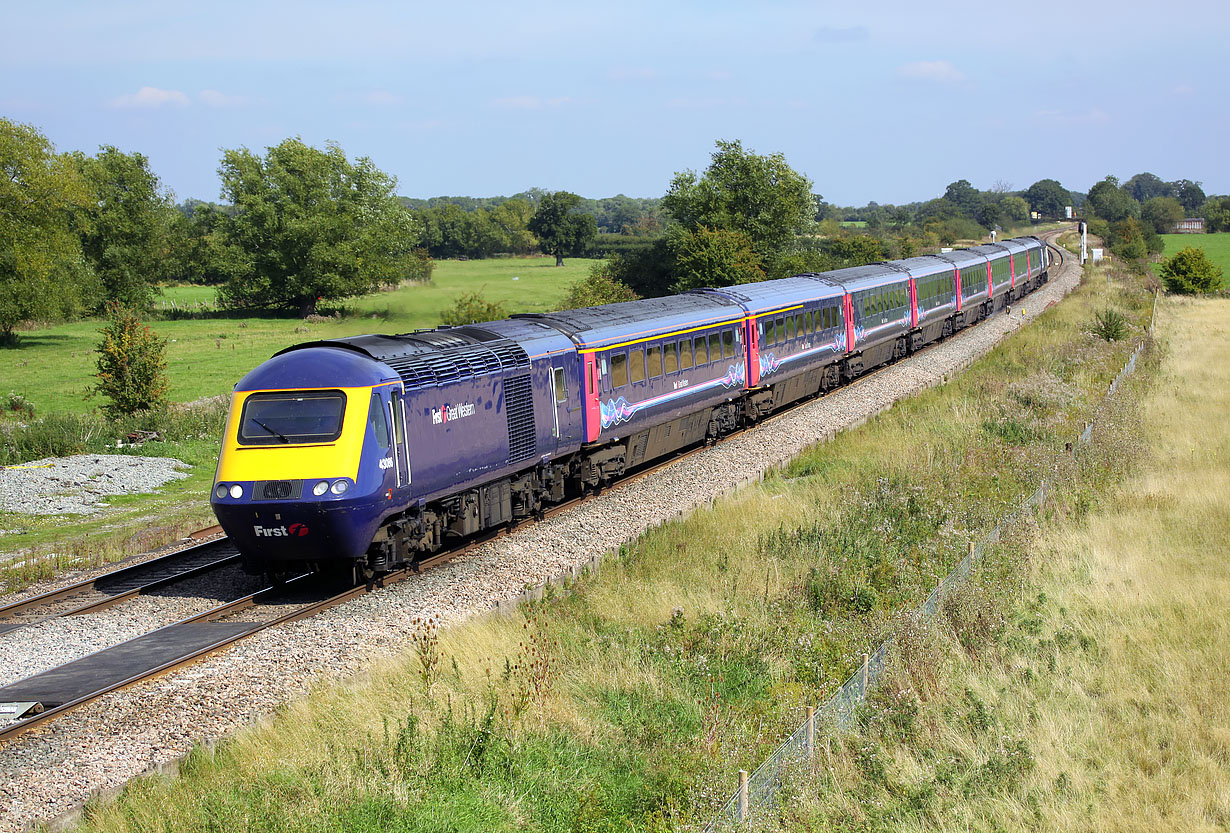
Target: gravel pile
{"points": [[48, 771], [80, 484]]}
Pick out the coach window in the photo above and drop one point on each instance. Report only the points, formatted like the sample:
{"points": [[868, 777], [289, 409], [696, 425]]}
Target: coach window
{"points": [[670, 357], [653, 362], [781, 329], [378, 422], [685, 354], [790, 330], [702, 353], [636, 365], [809, 322], [715, 347], [770, 332], [619, 370], [728, 344]]}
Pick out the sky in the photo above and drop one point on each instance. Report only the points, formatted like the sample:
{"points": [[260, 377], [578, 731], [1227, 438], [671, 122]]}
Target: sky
{"points": [[883, 101]]}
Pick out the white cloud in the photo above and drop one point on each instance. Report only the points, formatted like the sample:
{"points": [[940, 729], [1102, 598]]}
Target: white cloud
{"points": [[148, 98], [213, 98], [529, 102], [941, 72]]}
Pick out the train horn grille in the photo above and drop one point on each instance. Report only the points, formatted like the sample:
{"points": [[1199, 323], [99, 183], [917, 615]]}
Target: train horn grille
{"points": [[276, 489]]}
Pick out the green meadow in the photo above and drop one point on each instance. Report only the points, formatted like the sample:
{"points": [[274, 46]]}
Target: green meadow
{"points": [[1216, 246], [206, 354]]}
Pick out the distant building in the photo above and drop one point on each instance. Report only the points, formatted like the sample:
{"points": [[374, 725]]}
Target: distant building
{"points": [[1192, 225]]}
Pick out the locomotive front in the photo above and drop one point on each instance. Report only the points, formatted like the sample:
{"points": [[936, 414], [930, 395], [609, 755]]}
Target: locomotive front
{"points": [[306, 473]]}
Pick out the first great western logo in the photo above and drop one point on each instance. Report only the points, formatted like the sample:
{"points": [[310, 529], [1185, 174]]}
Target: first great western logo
{"points": [[448, 413]]}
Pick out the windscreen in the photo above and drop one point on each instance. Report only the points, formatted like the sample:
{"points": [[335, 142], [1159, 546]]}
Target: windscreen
{"points": [[292, 418]]}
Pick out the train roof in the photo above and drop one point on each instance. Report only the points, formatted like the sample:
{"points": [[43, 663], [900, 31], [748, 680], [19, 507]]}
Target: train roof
{"points": [[858, 278], [964, 258], [764, 296], [924, 265], [991, 250], [432, 357], [616, 323]]}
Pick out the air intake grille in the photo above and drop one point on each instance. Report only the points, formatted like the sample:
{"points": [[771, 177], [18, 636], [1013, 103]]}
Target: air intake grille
{"points": [[431, 369], [519, 405], [276, 489]]}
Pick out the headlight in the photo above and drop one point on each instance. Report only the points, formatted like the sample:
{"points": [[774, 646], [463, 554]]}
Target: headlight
{"points": [[237, 491], [220, 492], [320, 488], [340, 487]]}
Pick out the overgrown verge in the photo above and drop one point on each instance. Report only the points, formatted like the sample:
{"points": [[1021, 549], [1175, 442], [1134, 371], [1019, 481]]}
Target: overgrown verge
{"points": [[1072, 690], [632, 701]]}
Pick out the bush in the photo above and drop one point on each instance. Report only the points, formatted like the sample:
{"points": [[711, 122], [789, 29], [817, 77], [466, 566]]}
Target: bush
{"points": [[471, 308], [598, 288], [1109, 325], [132, 365], [1190, 271]]}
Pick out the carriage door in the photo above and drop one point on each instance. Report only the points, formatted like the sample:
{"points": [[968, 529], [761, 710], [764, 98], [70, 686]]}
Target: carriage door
{"points": [[559, 391], [401, 451]]}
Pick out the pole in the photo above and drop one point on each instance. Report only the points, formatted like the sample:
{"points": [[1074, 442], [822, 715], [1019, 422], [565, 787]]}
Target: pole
{"points": [[743, 796], [810, 732]]}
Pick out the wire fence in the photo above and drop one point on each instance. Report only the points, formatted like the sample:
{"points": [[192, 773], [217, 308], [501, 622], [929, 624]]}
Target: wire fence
{"points": [[758, 792]]}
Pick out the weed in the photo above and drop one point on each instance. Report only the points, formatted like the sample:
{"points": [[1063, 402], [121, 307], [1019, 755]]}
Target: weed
{"points": [[1109, 325]]}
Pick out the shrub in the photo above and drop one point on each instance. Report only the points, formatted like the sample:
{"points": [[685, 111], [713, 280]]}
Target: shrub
{"points": [[1190, 271], [1109, 325], [598, 288], [470, 308], [132, 365]]}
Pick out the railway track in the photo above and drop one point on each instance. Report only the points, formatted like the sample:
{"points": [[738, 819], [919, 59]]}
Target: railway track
{"points": [[118, 586], [35, 700]]}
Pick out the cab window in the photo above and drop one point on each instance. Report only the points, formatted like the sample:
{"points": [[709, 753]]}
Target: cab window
{"points": [[295, 417]]}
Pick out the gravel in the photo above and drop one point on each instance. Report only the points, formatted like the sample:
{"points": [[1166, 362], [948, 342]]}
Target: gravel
{"points": [[79, 485], [48, 771]]}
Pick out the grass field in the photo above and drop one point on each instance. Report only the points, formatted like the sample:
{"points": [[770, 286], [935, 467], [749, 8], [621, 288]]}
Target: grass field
{"points": [[52, 367], [631, 703], [1098, 703], [1216, 246]]}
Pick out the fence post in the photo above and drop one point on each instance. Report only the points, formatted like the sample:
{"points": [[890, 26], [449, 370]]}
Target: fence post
{"points": [[865, 675], [810, 732], [742, 808], [972, 550]]}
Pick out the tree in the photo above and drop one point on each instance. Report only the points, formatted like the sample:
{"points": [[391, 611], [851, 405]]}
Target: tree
{"points": [[560, 229], [1112, 203], [132, 364], [1048, 198], [857, 250], [1162, 213], [1146, 186], [713, 257], [1190, 271], [1189, 193], [42, 272], [965, 197], [759, 197], [1016, 210], [309, 225], [1216, 214], [125, 231], [598, 288]]}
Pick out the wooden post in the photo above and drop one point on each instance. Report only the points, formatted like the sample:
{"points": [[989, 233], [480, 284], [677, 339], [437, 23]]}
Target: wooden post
{"points": [[810, 732], [864, 675], [742, 810], [971, 553]]}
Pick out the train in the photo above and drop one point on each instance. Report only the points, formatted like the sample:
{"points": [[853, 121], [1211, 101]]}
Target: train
{"points": [[372, 452]]}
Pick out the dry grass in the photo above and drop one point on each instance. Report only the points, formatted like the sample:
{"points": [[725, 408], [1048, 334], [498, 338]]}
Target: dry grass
{"points": [[1102, 704]]}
